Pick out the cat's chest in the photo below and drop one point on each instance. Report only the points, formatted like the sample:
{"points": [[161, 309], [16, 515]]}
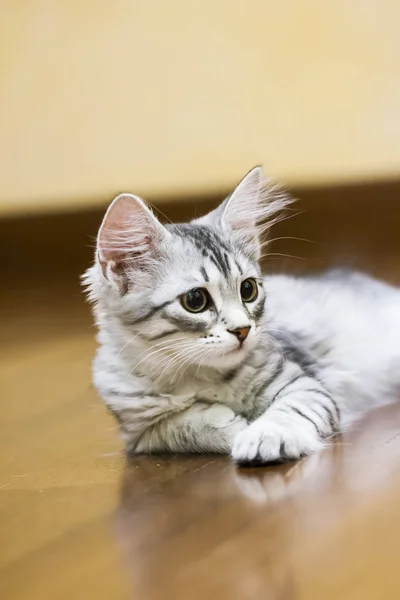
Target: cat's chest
{"points": [[236, 392]]}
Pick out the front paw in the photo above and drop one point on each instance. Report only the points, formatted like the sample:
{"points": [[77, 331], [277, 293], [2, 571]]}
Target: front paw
{"points": [[264, 442]]}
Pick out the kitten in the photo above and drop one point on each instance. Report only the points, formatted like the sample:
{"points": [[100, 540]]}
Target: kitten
{"points": [[198, 352]]}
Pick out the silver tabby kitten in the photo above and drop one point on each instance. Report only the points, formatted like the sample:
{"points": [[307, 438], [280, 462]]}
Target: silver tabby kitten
{"points": [[198, 352]]}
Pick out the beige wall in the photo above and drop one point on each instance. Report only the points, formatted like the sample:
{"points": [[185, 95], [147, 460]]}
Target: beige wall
{"points": [[178, 96]]}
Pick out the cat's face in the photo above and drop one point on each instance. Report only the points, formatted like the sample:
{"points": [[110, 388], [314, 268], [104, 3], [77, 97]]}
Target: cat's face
{"points": [[186, 295], [205, 305]]}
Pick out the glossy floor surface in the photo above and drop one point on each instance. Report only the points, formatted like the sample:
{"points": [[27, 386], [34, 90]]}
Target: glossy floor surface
{"points": [[78, 521]]}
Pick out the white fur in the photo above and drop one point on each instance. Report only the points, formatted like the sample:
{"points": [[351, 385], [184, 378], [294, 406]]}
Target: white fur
{"points": [[355, 315], [200, 391]]}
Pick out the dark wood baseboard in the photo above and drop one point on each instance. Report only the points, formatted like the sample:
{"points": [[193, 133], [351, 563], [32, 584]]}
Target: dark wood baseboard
{"points": [[356, 226]]}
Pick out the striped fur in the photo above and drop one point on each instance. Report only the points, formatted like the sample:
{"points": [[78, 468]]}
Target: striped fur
{"points": [[318, 354]]}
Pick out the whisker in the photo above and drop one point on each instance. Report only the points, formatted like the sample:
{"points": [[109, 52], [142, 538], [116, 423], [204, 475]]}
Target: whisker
{"points": [[127, 343], [289, 237], [201, 363], [191, 359], [274, 254], [179, 359], [179, 355], [147, 355], [157, 209]]}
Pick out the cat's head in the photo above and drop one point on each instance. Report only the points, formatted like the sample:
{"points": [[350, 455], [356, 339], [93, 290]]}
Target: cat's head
{"points": [[186, 294]]}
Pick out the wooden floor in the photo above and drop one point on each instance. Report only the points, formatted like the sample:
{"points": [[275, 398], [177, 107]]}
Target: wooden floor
{"points": [[78, 521]]}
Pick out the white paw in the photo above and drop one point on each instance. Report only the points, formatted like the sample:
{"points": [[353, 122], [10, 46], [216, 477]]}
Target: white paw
{"points": [[267, 441]]}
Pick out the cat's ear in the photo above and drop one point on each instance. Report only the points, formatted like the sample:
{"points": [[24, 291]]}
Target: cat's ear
{"points": [[241, 211], [250, 211], [130, 240]]}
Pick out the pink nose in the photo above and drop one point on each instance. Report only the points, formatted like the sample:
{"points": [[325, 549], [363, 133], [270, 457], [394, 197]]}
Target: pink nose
{"points": [[241, 333]]}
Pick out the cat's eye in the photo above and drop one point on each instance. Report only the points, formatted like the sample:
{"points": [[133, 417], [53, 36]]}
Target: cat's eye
{"points": [[249, 290], [196, 300]]}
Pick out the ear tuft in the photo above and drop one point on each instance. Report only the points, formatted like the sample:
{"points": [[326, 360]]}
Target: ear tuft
{"points": [[250, 211], [242, 207], [254, 206]]}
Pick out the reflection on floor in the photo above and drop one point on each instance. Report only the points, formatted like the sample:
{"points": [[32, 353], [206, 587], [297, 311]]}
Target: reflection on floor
{"points": [[77, 521]]}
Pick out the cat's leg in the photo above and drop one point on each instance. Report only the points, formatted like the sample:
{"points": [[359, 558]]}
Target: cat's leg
{"points": [[199, 428], [300, 416]]}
